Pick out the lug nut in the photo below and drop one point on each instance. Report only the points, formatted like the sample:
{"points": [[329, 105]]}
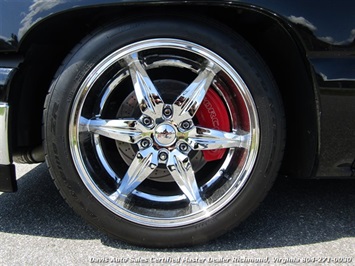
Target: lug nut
{"points": [[186, 124], [145, 143], [167, 111], [163, 156], [184, 147], [147, 121]]}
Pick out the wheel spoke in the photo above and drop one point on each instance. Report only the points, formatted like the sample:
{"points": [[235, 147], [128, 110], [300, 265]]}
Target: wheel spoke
{"points": [[149, 100], [125, 130], [180, 168], [188, 102], [141, 167], [200, 138]]}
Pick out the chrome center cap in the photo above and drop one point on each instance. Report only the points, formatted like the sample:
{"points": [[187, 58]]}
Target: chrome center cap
{"points": [[165, 135]]}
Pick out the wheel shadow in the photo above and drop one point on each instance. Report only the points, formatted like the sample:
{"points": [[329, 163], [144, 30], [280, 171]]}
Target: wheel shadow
{"points": [[296, 212], [37, 209]]}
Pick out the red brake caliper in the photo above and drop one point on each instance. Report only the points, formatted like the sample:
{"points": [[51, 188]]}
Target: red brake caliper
{"points": [[213, 114]]}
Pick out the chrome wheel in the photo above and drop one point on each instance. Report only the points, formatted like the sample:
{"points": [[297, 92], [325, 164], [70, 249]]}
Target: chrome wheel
{"points": [[164, 132]]}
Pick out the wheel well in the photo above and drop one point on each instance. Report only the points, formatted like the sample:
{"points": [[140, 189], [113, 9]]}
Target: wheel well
{"points": [[46, 46]]}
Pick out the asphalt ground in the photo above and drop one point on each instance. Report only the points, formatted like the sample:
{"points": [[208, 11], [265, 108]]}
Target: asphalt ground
{"points": [[301, 222]]}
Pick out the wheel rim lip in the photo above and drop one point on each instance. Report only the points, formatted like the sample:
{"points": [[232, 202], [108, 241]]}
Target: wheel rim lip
{"points": [[84, 174]]}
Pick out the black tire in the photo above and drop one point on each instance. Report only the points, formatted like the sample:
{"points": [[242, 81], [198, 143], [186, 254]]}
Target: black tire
{"points": [[230, 186]]}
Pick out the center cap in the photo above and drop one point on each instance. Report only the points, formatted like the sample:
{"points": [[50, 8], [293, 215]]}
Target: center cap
{"points": [[165, 135]]}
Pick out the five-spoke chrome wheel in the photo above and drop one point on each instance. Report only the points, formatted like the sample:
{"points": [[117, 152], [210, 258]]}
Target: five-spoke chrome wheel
{"points": [[161, 133]]}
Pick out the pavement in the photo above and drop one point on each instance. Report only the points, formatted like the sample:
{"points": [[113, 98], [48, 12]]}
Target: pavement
{"points": [[301, 222]]}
